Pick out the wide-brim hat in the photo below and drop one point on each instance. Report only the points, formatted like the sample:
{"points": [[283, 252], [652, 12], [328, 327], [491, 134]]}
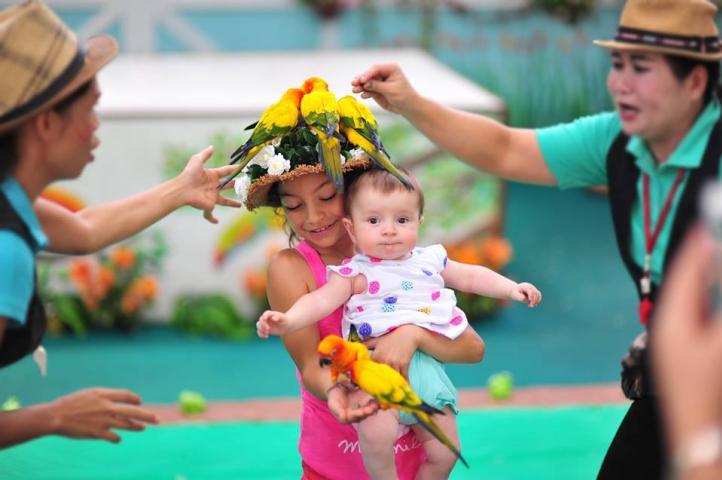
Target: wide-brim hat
{"points": [[42, 61], [683, 28], [259, 188]]}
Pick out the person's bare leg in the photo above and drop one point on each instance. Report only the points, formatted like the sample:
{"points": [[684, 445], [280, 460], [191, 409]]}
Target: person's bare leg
{"points": [[377, 435], [439, 459]]}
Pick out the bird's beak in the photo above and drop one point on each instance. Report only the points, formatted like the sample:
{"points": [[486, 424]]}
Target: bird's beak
{"points": [[323, 362]]}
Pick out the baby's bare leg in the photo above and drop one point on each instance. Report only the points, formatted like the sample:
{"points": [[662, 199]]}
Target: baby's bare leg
{"points": [[377, 435], [439, 459]]}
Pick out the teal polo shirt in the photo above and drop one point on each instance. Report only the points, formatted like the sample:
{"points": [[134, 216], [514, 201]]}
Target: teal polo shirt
{"points": [[17, 259], [576, 154]]}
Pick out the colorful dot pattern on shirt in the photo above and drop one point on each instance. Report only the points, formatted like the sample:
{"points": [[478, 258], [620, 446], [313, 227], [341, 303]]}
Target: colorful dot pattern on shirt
{"points": [[400, 292], [365, 330]]}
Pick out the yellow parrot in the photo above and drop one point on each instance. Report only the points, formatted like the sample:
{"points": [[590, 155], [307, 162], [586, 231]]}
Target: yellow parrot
{"points": [[360, 128], [276, 121], [319, 110], [382, 382]]}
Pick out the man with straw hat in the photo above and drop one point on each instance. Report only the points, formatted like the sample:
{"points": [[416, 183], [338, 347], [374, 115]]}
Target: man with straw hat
{"points": [[48, 93], [654, 152]]}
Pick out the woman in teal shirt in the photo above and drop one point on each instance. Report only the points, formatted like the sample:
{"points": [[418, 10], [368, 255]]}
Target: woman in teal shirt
{"points": [[653, 153], [48, 94]]}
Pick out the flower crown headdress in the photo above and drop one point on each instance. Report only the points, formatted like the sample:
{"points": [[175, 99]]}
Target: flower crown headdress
{"points": [[308, 131]]}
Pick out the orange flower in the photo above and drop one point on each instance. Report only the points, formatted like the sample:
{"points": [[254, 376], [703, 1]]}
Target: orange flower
{"points": [[497, 251], [89, 300], [80, 272], [466, 252], [106, 280], [129, 304], [123, 257], [254, 281], [145, 287]]}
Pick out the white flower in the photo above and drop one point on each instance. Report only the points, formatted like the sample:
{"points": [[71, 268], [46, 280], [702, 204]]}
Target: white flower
{"points": [[359, 154], [263, 156], [343, 159], [241, 187], [278, 164], [276, 141]]}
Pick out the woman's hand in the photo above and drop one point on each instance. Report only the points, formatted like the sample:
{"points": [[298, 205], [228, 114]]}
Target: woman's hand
{"points": [[200, 184], [340, 404], [388, 86], [96, 412], [396, 348]]}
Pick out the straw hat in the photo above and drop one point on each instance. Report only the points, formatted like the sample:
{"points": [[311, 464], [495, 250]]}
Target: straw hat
{"points": [[42, 61], [683, 28]]}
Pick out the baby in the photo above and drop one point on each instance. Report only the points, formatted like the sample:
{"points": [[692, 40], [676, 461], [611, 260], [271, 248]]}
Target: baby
{"points": [[390, 283]]}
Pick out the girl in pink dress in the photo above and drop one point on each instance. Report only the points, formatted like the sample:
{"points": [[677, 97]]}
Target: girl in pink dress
{"points": [[314, 211]]}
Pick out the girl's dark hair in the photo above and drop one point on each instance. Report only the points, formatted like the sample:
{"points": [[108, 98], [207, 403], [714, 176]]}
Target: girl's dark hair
{"points": [[682, 67], [9, 140]]}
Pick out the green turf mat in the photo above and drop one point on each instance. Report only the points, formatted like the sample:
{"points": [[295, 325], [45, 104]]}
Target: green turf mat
{"points": [[509, 444]]}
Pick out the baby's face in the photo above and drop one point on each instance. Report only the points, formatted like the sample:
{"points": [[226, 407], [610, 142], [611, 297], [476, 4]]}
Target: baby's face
{"points": [[385, 225]]}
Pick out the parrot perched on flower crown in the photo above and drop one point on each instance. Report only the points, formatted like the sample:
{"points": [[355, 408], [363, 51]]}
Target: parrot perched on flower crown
{"points": [[382, 382], [319, 110], [276, 121], [359, 126]]}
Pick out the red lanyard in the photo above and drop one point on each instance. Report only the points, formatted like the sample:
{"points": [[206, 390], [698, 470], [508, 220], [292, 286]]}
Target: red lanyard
{"points": [[650, 240]]}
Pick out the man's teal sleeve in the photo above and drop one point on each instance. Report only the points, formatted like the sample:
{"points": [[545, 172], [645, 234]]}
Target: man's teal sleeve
{"points": [[576, 152]]}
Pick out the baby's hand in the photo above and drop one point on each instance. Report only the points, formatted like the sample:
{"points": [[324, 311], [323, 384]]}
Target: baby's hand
{"points": [[527, 293], [271, 323]]}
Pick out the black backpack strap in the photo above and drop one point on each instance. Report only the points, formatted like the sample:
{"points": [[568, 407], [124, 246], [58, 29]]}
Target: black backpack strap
{"points": [[19, 342], [622, 177]]}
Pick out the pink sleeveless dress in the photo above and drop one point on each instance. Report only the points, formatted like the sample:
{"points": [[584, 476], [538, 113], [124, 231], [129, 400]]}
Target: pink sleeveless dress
{"points": [[329, 449]]}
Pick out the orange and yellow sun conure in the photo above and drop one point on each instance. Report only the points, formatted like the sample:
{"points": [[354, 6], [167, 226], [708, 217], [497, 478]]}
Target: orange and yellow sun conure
{"points": [[360, 128], [382, 382], [320, 112], [276, 121]]}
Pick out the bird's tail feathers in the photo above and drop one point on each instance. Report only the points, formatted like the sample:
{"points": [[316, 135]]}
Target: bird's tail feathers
{"points": [[329, 149], [382, 161], [430, 426]]}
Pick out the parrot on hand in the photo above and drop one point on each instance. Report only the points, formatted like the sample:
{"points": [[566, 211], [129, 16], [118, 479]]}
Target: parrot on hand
{"points": [[382, 382], [360, 128], [277, 120], [319, 110]]}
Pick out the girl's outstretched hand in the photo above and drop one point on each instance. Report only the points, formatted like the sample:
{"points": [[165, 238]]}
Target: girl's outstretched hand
{"points": [[338, 398]]}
